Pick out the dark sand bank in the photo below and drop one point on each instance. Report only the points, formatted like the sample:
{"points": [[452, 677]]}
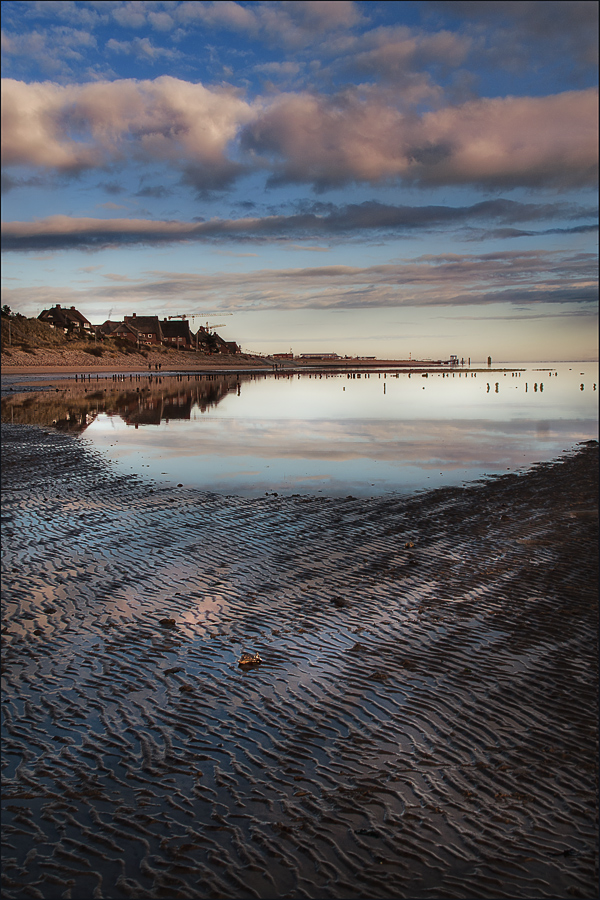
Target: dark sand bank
{"points": [[423, 724]]}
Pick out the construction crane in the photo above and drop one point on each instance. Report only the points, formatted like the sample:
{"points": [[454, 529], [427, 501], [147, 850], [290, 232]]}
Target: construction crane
{"points": [[192, 316], [201, 315]]}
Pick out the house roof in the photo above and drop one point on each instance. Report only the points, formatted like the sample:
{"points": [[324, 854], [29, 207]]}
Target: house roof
{"points": [[124, 326], [176, 329], [108, 326], [145, 324], [64, 317]]}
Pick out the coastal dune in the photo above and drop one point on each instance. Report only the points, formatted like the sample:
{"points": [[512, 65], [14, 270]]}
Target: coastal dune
{"points": [[44, 361], [423, 722]]}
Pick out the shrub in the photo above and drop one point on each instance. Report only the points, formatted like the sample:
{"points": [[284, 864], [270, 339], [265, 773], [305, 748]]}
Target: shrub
{"points": [[123, 345], [94, 351]]}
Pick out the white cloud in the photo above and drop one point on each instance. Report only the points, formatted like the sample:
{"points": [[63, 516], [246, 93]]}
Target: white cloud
{"points": [[130, 15], [161, 21], [142, 48]]}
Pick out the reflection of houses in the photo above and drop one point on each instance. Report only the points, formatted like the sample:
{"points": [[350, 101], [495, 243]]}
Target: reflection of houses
{"points": [[141, 410], [67, 320], [156, 402], [152, 409], [179, 407]]}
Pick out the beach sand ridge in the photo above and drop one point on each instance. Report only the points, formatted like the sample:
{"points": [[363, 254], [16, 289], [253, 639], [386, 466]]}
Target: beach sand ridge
{"points": [[423, 722]]}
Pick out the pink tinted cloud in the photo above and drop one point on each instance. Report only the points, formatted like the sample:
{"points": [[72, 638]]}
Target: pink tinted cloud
{"points": [[516, 140], [302, 137], [528, 141], [286, 22], [393, 53], [81, 126]]}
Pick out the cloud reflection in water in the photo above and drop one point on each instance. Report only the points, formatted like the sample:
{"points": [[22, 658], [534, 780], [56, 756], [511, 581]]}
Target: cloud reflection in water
{"points": [[250, 435]]}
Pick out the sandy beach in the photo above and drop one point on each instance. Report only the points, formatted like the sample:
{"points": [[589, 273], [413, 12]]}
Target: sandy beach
{"points": [[423, 722], [48, 361]]}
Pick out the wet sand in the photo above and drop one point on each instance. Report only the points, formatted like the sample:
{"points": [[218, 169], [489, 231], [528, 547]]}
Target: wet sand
{"points": [[423, 723]]}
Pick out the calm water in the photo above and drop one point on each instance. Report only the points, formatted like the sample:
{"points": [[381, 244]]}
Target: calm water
{"points": [[336, 435], [368, 435]]}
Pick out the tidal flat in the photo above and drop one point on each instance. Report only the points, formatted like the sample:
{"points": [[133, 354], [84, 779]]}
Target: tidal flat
{"points": [[423, 722]]}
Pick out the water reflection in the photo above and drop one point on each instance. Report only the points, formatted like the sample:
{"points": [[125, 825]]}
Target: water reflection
{"points": [[137, 401], [360, 433]]}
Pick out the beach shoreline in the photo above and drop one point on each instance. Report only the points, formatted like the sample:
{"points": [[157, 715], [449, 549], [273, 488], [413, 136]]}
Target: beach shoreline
{"points": [[423, 722], [80, 361]]}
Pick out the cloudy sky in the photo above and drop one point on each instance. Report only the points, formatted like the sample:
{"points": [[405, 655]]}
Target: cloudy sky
{"points": [[360, 177]]}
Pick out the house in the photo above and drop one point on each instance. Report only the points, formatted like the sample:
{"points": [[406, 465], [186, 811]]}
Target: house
{"points": [[148, 327], [209, 341], [177, 334], [125, 331], [218, 344], [232, 347], [67, 320], [105, 329]]}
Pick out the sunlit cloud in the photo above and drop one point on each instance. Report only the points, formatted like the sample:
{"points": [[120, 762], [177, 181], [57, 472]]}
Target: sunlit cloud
{"points": [[300, 137], [496, 142]]}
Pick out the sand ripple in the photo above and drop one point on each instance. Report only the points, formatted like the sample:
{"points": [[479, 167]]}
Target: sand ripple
{"points": [[423, 723]]}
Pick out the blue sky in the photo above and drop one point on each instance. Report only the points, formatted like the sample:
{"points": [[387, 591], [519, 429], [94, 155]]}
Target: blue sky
{"points": [[365, 178]]}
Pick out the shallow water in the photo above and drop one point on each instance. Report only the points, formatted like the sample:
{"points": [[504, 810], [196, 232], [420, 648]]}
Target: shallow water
{"points": [[368, 434]]}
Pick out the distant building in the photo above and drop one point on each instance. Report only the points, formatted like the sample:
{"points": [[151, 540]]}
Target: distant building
{"points": [[125, 331], [66, 320], [151, 331], [283, 356], [177, 334], [319, 356], [149, 328], [211, 342], [106, 327]]}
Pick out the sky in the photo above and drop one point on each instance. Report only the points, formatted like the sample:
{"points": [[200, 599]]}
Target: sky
{"points": [[385, 179]]}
